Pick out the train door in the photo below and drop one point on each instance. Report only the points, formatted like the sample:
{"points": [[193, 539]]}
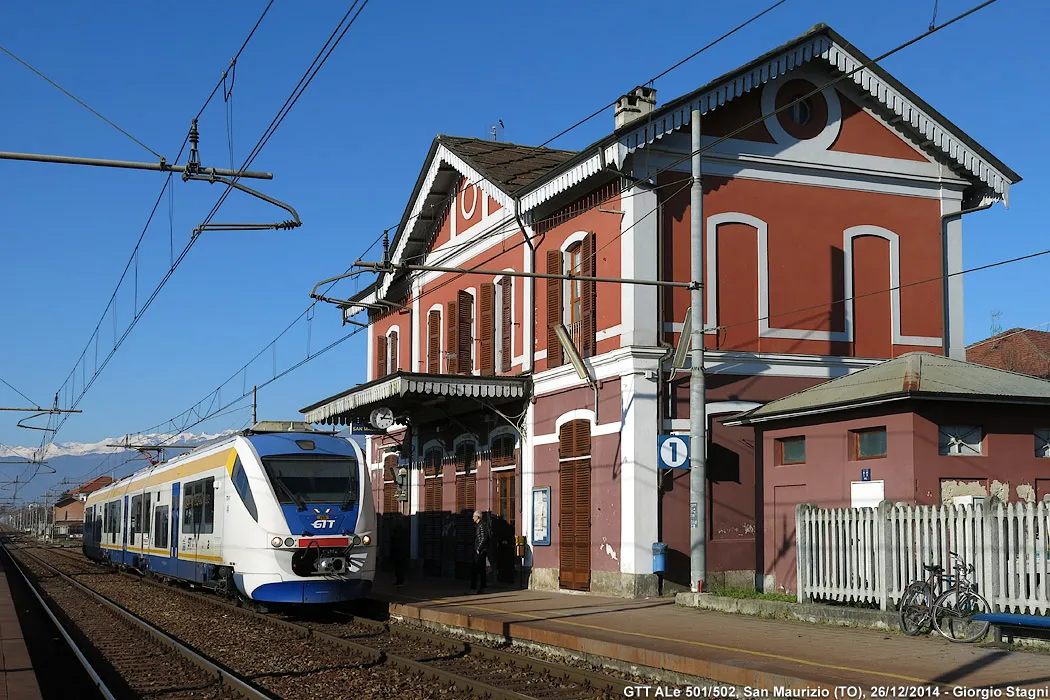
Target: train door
{"points": [[173, 543]]}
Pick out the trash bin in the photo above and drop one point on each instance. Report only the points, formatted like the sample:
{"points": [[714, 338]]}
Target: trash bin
{"points": [[659, 550]]}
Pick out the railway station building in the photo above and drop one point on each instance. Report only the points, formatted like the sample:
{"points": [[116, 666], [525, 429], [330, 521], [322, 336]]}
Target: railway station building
{"points": [[826, 228]]}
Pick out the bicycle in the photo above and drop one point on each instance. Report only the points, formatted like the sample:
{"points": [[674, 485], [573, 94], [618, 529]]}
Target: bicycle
{"points": [[916, 604], [956, 607]]}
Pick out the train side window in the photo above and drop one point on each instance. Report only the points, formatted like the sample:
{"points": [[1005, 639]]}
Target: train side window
{"points": [[160, 527], [207, 499], [146, 510], [188, 491], [240, 483], [135, 524]]}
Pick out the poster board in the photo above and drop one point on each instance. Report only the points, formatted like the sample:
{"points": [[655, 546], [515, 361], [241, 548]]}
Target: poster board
{"points": [[541, 516]]}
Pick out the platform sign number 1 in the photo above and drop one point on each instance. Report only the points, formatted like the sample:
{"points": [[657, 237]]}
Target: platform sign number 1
{"points": [[673, 452]]}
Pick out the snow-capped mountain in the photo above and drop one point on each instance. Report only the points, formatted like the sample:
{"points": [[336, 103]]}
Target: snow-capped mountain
{"points": [[86, 449]]}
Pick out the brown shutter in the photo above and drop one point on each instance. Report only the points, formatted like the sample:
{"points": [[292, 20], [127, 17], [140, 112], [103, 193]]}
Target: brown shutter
{"points": [[505, 315], [487, 332], [588, 296], [393, 352], [554, 308], [450, 340], [566, 523], [465, 337], [380, 356], [434, 343], [582, 529]]}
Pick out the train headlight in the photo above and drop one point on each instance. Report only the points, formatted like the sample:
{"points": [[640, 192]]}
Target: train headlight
{"points": [[366, 539], [289, 541], [276, 541]]}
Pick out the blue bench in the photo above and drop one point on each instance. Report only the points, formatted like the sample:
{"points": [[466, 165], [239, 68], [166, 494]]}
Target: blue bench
{"points": [[1013, 620]]}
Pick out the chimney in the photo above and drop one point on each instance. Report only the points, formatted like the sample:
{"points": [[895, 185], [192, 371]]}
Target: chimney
{"points": [[634, 105]]}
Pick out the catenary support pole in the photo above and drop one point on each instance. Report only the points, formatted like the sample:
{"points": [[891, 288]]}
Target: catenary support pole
{"points": [[697, 409]]}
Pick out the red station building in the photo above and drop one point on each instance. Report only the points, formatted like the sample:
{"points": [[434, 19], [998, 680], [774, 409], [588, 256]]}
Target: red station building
{"points": [[809, 217]]}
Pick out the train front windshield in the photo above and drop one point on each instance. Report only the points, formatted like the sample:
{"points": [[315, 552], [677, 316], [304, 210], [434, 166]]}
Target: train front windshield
{"points": [[305, 479]]}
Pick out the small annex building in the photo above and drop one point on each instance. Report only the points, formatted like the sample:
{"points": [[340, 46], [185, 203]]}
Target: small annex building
{"points": [[921, 429]]}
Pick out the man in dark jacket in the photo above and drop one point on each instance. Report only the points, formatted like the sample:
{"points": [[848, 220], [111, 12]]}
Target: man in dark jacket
{"points": [[482, 539]]}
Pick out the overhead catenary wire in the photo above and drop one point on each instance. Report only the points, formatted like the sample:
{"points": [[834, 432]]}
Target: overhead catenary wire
{"points": [[496, 228], [706, 148], [80, 102]]}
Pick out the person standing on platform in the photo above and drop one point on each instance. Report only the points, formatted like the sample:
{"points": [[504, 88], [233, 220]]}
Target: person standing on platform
{"points": [[482, 538]]}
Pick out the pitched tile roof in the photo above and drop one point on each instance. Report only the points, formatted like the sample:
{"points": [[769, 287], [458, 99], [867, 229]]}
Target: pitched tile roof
{"points": [[913, 375], [509, 165], [1021, 350], [93, 485]]}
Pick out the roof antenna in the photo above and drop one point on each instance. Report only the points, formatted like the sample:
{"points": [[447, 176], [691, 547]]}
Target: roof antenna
{"points": [[494, 132]]}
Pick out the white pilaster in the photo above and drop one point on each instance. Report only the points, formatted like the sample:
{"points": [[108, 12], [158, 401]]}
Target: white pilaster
{"points": [[638, 246], [954, 263], [415, 477], [638, 494], [418, 329], [528, 479]]}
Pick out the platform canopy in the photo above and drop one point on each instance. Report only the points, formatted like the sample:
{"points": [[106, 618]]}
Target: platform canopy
{"points": [[421, 397]]}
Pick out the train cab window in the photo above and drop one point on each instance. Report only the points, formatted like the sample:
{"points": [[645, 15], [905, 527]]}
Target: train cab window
{"points": [[240, 484], [160, 527]]}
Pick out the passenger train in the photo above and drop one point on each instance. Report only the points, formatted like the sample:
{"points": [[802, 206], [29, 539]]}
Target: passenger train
{"points": [[278, 513]]}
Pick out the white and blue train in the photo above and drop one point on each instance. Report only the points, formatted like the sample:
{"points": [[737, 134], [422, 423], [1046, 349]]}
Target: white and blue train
{"points": [[278, 513]]}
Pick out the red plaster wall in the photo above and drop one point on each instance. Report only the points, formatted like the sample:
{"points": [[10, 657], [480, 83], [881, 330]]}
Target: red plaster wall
{"points": [[871, 300], [805, 238], [605, 471], [862, 133], [466, 194], [825, 478], [734, 487], [1008, 447], [605, 502]]}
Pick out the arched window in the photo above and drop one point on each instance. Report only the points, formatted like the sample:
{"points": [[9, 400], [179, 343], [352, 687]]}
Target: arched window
{"points": [[503, 451]]}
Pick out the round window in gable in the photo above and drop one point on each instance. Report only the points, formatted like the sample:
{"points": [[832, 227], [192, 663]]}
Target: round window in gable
{"points": [[805, 118]]}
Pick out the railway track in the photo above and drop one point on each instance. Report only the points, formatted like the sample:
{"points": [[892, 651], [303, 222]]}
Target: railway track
{"points": [[124, 655], [404, 662]]}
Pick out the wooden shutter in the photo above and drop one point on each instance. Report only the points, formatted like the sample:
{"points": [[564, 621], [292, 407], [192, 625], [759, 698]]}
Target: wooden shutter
{"points": [[450, 337], [554, 308], [566, 525], [465, 335], [588, 296], [389, 465], [434, 343], [487, 333], [393, 352], [506, 302], [380, 356], [582, 525]]}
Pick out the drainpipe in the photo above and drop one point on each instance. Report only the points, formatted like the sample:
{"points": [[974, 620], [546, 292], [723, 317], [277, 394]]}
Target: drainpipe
{"points": [[945, 271]]}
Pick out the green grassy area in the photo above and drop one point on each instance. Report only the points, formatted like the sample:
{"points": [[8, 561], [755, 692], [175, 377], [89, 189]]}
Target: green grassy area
{"points": [[749, 593]]}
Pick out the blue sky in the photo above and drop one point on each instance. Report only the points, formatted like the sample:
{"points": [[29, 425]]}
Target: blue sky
{"points": [[348, 154]]}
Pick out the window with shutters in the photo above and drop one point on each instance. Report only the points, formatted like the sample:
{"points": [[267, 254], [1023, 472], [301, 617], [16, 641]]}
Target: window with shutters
{"points": [[460, 335], [389, 486], [434, 341], [572, 302], [574, 499], [381, 356], [503, 451], [487, 328], [504, 324], [391, 349]]}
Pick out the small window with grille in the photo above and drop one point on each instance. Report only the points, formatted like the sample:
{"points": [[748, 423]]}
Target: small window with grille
{"points": [[959, 440], [1042, 442]]}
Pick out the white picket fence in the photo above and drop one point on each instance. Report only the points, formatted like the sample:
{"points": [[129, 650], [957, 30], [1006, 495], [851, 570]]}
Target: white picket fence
{"points": [[871, 555]]}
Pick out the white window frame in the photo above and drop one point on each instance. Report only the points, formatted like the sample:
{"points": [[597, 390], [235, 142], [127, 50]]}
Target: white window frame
{"points": [[953, 433], [390, 369], [1042, 443], [572, 241]]}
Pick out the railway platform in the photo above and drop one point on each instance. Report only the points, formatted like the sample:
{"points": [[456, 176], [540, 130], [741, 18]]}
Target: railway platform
{"points": [[19, 679], [728, 649]]}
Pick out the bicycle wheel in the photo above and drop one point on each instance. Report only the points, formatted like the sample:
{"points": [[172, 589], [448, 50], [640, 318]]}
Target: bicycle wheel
{"points": [[915, 608], [953, 615]]}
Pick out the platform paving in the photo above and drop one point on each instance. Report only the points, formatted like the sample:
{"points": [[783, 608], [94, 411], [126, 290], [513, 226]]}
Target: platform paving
{"points": [[726, 648], [19, 679]]}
